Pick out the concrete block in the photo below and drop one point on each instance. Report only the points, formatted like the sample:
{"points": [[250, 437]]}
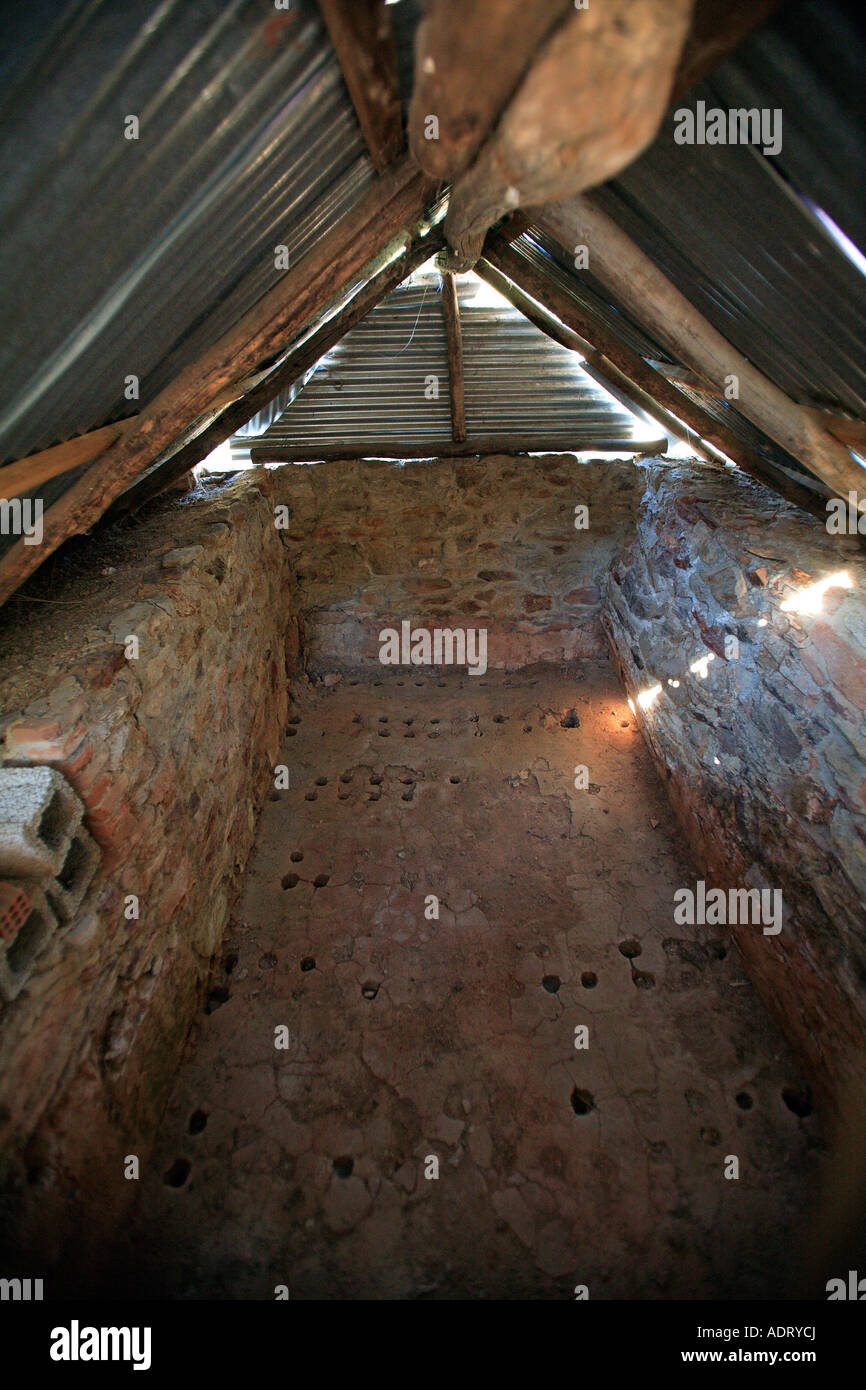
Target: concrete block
{"points": [[39, 814], [18, 955], [67, 889]]}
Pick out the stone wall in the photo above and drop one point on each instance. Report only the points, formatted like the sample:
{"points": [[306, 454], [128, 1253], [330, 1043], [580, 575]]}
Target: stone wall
{"points": [[764, 748], [171, 754], [456, 543]]}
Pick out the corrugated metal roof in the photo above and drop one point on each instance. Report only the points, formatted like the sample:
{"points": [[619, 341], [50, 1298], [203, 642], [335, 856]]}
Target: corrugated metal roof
{"points": [[372, 387], [122, 257]]}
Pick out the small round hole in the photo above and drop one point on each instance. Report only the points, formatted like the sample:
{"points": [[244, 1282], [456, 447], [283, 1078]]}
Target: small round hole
{"points": [[551, 983], [320, 880], [178, 1173], [296, 856], [321, 781], [197, 1121], [308, 963], [343, 1167], [311, 796], [745, 1101], [798, 1100], [589, 979], [630, 948], [370, 989], [455, 780], [581, 1101], [290, 881], [376, 778]]}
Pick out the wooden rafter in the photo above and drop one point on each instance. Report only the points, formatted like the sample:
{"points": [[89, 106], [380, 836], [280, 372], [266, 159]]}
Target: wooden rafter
{"points": [[308, 352], [356, 248], [360, 31], [645, 292], [31, 472], [499, 253], [454, 335], [717, 28]]}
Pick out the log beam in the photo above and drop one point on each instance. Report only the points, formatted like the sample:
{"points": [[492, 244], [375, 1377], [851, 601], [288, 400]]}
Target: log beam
{"points": [[717, 28], [481, 447], [454, 335], [470, 58], [361, 34], [645, 292], [31, 472], [591, 103], [356, 248]]}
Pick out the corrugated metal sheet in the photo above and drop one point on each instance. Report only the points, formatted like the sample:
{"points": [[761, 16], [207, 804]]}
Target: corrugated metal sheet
{"points": [[372, 388], [122, 257]]}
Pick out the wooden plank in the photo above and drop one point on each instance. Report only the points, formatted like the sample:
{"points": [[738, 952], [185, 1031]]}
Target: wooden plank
{"points": [[454, 335], [300, 360], [470, 58], [356, 248], [633, 367], [481, 447], [645, 292], [29, 473], [361, 33]]}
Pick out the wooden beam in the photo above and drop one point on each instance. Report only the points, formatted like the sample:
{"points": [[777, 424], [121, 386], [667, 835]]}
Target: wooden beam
{"points": [[31, 472], [594, 363], [356, 248], [360, 31], [591, 103], [583, 321], [717, 28], [645, 292], [848, 431], [307, 353], [470, 58], [454, 335], [450, 448]]}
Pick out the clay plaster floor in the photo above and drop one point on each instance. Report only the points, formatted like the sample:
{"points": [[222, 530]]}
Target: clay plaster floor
{"points": [[455, 1038]]}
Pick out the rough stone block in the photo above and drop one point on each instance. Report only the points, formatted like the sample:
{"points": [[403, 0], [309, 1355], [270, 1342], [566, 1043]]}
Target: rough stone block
{"points": [[39, 814]]}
